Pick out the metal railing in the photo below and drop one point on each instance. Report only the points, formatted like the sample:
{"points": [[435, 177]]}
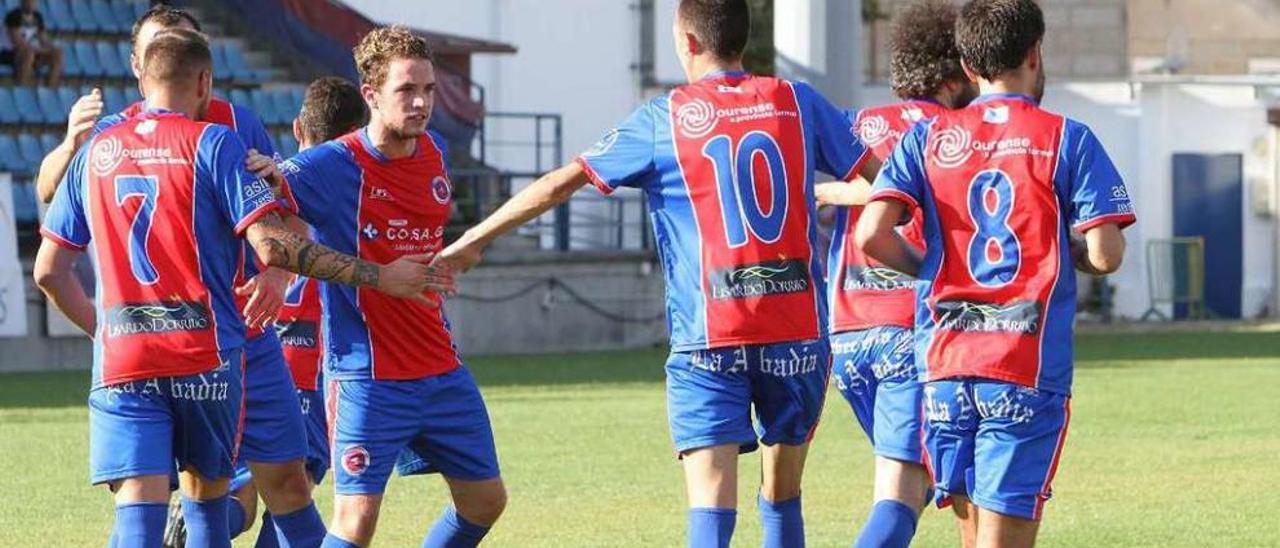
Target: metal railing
{"points": [[1175, 276]]}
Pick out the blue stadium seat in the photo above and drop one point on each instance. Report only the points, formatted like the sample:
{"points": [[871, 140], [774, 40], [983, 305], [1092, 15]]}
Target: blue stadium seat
{"points": [[49, 141], [8, 108], [110, 58], [57, 16], [67, 96], [25, 211], [113, 99], [105, 16], [28, 107], [237, 64], [241, 97], [124, 14], [87, 55], [70, 61], [7, 70], [131, 94], [220, 70], [124, 49], [10, 158], [29, 147], [285, 106], [84, 18], [262, 105], [50, 105], [139, 8], [287, 145]]}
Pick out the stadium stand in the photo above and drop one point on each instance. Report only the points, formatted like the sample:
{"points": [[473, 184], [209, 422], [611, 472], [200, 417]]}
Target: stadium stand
{"points": [[255, 67]]}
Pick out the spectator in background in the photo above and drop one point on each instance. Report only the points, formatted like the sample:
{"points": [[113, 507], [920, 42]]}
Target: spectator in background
{"points": [[25, 44]]}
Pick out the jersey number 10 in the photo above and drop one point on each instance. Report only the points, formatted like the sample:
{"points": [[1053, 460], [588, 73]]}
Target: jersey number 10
{"points": [[736, 186], [146, 188]]}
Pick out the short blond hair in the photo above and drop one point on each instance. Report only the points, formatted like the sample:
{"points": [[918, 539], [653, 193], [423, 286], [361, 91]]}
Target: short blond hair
{"points": [[376, 50]]}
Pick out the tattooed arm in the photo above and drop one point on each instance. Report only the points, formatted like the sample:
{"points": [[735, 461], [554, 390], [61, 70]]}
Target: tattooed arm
{"points": [[407, 277]]}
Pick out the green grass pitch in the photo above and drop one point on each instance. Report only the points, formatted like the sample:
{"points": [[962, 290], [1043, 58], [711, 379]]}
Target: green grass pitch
{"points": [[1174, 441]]}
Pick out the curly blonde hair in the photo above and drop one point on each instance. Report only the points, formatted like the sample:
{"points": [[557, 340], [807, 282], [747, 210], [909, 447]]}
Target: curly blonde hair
{"points": [[383, 44]]}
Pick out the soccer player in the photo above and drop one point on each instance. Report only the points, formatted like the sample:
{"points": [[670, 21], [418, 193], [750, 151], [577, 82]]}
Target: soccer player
{"points": [[273, 441], [164, 200], [332, 107], [727, 163], [395, 380], [872, 306], [1003, 185]]}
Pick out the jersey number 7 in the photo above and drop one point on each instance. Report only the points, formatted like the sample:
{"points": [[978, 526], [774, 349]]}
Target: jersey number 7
{"points": [[147, 189]]}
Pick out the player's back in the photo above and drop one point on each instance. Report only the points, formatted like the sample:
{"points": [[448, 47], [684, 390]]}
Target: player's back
{"points": [[728, 165], [998, 284], [166, 251], [865, 293]]}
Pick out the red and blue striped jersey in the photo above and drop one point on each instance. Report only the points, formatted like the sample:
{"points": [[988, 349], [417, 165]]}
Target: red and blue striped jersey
{"points": [[299, 329], [727, 165], [1000, 184], [252, 133], [163, 200], [379, 209], [863, 292]]}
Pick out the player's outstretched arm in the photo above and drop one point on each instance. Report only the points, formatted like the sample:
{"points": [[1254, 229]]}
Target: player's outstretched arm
{"points": [[548, 191], [54, 276], [1101, 250], [839, 193], [876, 236], [84, 114], [407, 277]]}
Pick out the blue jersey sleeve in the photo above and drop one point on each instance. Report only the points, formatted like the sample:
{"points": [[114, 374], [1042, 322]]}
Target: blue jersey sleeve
{"points": [[443, 145], [902, 176], [65, 221], [250, 129], [624, 155], [106, 122], [1097, 192], [837, 148], [311, 177], [240, 195]]}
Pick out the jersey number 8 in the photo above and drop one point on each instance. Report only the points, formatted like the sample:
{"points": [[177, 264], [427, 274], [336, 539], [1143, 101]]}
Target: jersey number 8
{"points": [[736, 186], [994, 250]]}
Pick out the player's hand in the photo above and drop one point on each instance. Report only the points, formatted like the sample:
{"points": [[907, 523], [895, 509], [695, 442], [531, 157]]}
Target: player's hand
{"points": [[266, 296], [84, 114], [458, 258], [265, 167], [411, 277]]}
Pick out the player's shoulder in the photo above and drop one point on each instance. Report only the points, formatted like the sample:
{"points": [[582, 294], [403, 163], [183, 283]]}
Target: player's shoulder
{"points": [[317, 158], [244, 116], [438, 141]]}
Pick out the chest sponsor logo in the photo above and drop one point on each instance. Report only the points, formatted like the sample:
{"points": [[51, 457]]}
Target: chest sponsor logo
{"points": [[298, 334], [157, 317], [441, 190], [761, 279], [875, 278], [1022, 318]]}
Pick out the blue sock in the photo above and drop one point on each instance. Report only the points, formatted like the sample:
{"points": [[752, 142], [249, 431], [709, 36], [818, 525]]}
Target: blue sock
{"points": [[235, 517], [139, 524], [453, 531], [206, 522], [267, 537], [890, 525], [783, 523], [300, 528], [331, 541], [711, 527]]}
